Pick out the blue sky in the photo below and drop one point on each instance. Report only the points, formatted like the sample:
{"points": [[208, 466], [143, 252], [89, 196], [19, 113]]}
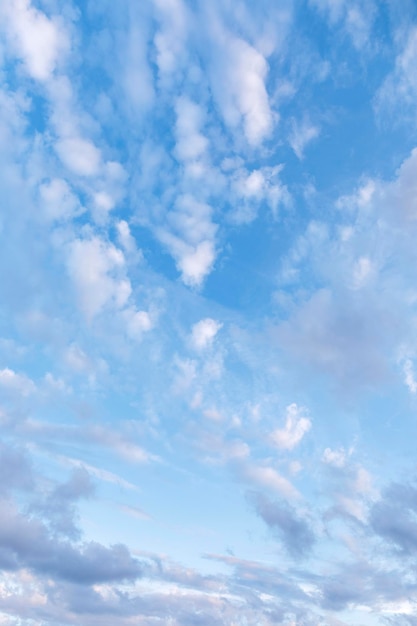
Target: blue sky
{"points": [[208, 330]]}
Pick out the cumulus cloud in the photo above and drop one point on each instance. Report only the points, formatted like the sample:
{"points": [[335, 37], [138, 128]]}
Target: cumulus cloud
{"points": [[251, 189], [80, 155], [37, 39], [239, 81], [296, 426], [25, 543], [337, 458], [191, 239], [204, 332]]}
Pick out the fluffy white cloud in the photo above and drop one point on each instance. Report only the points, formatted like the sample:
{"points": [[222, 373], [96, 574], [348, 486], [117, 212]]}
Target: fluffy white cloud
{"points": [[191, 239], [37, 39], [80, 155], [239, 81], [337, 458], [296, 426], [196, 262], [250, 189], [137, 322], [204, 332]]}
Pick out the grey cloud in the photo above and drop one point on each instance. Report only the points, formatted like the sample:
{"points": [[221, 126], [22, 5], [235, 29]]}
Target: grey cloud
{"points": [[337, 334], [25, 542], [363, 582], [295, 533], [59, 509], [15, 469], [78, 486], [394, 517]]}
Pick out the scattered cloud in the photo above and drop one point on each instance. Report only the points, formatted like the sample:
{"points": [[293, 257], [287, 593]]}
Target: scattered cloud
{"points": [[204, 332], [294, 530], [296, 426]]}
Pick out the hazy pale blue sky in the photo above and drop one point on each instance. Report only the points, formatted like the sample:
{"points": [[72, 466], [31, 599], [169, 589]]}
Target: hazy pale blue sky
{"points": [[208, 312]]}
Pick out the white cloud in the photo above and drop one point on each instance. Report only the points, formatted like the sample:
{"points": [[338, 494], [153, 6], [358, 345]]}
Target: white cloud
{"points": [[104, 203], [191, 143], [186, 374], [170, 38], [250, 189], [336, 458], [302, 133], [362, 272], [137, 322], [248, 77], [196, 262], [334, 8], [296, 426], [16, 383], [268, 477], [96, 267], [193, 248], [125, 448], [79, 155], [400, 86], [126, 240], [98, 472], [357, 17], [409, 376], [400, 196], [204, 332], [77, 359], [239, 81], [58, 200], [133, 72], [37, 40]]}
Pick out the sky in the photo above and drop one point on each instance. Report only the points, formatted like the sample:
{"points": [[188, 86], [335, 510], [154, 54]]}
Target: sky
{"points": [[208, 313]]}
